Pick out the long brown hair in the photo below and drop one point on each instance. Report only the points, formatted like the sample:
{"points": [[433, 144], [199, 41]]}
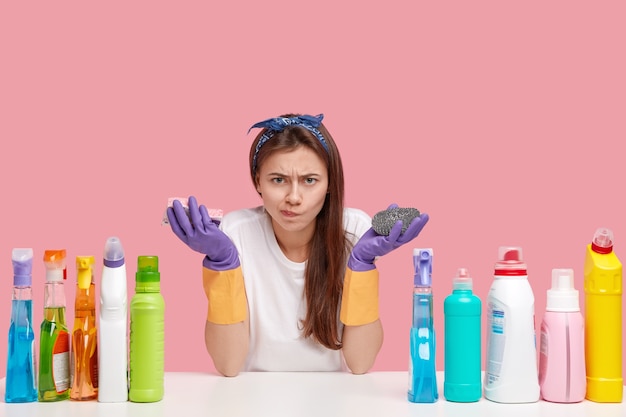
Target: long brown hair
{"points": [[329, 245]]}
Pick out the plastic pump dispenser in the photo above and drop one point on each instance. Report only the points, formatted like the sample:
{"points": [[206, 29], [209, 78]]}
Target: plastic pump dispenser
{"points": [[603, 319], [462, 350], [422, 375], [562, 347], [113, 358], [511, 374], [562, 296]]}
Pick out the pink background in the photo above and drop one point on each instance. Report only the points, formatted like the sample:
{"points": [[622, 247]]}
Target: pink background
{"points": [[505, 122]]}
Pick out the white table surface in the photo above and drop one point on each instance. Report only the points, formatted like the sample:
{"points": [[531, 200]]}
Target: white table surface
{"points": [[299, 394]]}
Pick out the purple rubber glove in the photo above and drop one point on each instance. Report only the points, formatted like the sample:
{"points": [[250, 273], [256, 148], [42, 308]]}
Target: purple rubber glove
{"points": [[372, 245], [200, 233]]}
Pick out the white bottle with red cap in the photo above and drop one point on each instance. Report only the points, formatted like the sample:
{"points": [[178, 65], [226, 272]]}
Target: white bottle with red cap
{"points": [[511, 374]]}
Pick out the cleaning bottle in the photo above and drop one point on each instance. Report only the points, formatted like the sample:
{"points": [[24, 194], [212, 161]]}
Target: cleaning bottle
{"points": [[562, 343], [422, 371], [113, 356], [54, 346], [147, 319], [462, 343], [511, 374], [84, 335], [21, 386], [603, 319]]}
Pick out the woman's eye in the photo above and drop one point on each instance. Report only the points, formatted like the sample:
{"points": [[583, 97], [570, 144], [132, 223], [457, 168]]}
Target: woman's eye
{"points": [[310, 180], [278, 180]]}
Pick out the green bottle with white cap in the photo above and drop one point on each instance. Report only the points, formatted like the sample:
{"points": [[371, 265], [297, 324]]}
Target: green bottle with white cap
{"points": [[147, 319]]}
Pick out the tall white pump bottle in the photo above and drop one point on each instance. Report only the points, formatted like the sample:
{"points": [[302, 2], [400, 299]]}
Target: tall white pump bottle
{"points": [[113, 352]]}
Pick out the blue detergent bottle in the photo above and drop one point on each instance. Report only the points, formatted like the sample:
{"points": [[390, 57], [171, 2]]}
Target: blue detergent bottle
{"points": [[21, 383], [462, 342], [422, 372]]}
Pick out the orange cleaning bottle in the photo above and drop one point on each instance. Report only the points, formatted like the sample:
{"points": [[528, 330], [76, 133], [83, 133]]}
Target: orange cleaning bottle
{"points": [[84, 335]]}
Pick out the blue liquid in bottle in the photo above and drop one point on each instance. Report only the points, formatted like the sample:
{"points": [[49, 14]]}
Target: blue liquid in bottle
{"points": [[21, 384], [422, 373]]}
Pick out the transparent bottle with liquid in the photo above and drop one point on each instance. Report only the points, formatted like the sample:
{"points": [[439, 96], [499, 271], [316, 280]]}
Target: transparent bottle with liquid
{"points": [[603, 319], [84, 334], [462, 342], [147, 322], [511, 374], [21, 378], [422, 370], [54, 346]]}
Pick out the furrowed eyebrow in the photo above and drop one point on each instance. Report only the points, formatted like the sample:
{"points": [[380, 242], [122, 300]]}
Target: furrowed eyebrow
{"points": [[280, 174]]}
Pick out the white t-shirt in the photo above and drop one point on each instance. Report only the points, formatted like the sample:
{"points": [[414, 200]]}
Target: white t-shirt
{"points": [[275, 290]]}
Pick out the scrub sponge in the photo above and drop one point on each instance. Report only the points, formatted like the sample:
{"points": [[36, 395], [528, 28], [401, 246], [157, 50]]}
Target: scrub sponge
{"points": [[383, 221]]}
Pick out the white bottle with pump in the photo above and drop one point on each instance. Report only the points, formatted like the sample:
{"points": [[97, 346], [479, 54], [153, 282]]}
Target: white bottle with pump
{"points": [[511, 374], [113, 351]]}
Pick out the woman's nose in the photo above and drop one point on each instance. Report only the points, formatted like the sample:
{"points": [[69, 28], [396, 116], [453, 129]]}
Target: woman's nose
{"points": [[294, 196]]}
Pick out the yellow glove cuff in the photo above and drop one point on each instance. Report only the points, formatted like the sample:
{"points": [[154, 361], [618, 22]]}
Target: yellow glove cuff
{"points": [[359, 301], [226, 294]]}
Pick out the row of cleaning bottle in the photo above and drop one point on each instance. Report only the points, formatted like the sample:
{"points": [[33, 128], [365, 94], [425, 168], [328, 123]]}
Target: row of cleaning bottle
{"points": [[578, 357], [130, 371], [462, 343], [83, 374]]}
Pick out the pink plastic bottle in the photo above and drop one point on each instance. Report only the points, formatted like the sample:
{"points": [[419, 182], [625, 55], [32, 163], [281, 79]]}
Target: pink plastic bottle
{"points": [[562, 375]]}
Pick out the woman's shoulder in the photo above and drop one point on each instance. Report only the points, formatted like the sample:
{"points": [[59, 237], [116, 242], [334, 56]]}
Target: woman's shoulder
{"points": [[356, 221], [243, 215], [356, 214], [239, 217]]}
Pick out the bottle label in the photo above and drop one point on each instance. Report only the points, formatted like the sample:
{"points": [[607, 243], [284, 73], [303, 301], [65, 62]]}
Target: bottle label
{"points": [[495, 341], [543, 343], [61, 362], [93, 367], [543, 353]]}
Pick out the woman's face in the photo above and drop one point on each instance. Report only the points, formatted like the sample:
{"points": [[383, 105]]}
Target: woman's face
{"points": [[293, 185]]}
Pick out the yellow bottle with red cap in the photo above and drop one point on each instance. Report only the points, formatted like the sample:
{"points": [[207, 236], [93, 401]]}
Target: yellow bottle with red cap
{"points": [[603, 320]]}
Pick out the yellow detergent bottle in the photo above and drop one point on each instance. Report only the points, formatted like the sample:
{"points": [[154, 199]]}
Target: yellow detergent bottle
{"points": [[603, 320]]}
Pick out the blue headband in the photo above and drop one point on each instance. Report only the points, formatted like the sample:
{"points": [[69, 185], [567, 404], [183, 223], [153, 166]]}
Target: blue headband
{"points": [[278, 124]]}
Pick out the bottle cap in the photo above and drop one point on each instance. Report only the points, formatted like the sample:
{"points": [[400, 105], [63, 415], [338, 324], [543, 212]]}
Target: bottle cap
{"points": [[56, 269], [510, 261], [148, 269], [22, 267], [462, 280], [84, 266], [562, 296], [602, 241], [113, 253]]}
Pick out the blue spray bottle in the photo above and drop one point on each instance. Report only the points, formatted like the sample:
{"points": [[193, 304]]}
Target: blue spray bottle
{"points": [[422, 372], [21, 385]]}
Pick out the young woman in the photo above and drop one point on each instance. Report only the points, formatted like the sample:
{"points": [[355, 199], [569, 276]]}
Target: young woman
{"points": [[292, 284]]}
